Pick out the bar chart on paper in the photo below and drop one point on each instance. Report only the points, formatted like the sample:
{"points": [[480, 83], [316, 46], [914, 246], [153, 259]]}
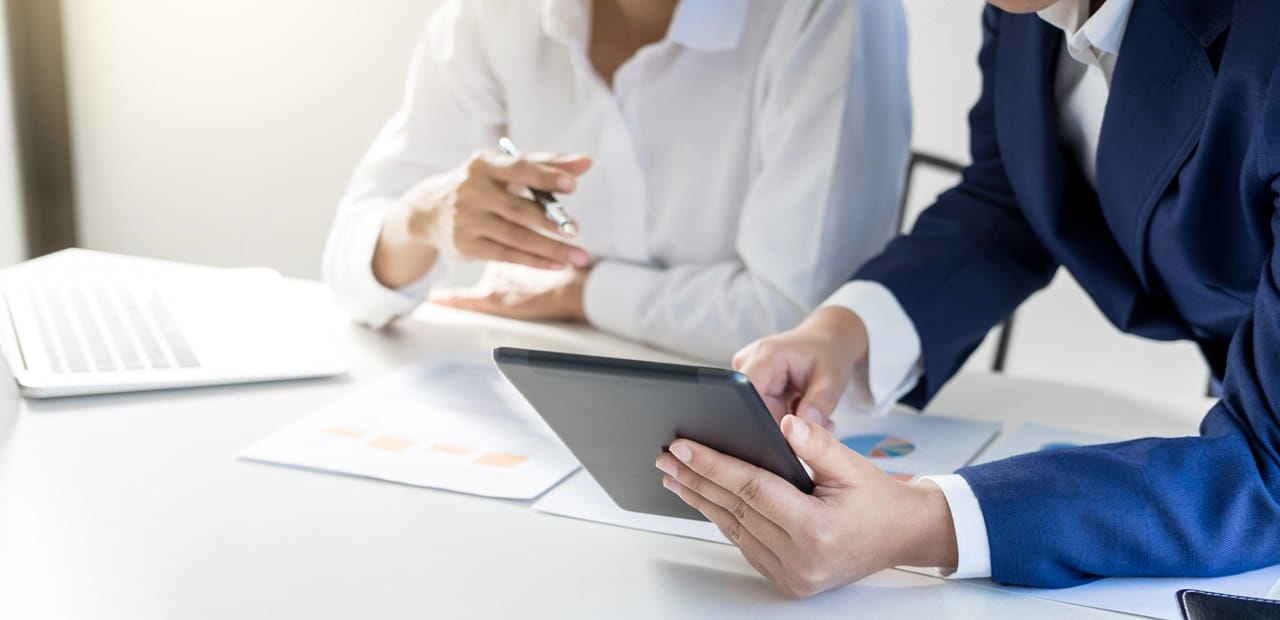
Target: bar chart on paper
{"points": [[908, 445], [448, 425]]}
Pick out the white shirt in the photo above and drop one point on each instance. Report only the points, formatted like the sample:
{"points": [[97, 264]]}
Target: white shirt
{"points": [[1082, 84], [745, 165]]}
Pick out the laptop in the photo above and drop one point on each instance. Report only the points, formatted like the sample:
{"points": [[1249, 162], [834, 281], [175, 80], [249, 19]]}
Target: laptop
{"points": [[95, 325]]}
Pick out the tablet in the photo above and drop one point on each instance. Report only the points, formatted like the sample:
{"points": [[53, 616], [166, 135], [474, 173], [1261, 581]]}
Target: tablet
{"points": [[618, 415]]}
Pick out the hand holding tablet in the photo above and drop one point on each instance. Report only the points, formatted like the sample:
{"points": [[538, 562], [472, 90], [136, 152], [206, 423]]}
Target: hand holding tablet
{"points": [[617, 416]]}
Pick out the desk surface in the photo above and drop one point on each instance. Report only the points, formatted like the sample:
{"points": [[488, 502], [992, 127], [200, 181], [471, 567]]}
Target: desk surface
{"points": [[132, 506]]}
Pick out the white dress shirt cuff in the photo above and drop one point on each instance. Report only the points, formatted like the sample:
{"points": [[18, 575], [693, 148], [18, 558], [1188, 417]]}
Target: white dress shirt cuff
{"points": [[614, 296], [893, 346], [358, 290], [973, 551]]}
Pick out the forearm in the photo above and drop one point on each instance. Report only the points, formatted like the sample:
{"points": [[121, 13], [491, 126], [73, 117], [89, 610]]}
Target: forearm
{"points": [[403, 254], [705, 311]]}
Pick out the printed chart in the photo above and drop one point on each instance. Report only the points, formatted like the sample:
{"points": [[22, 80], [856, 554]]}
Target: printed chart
{"points": [[449, 425], [907, 446]]}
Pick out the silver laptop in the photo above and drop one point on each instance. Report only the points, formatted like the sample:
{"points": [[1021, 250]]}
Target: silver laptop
{"points": [[128, 334]]}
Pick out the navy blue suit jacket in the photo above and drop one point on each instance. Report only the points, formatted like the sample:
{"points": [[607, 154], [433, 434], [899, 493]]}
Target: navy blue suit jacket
{"points": [[1177, 242]]}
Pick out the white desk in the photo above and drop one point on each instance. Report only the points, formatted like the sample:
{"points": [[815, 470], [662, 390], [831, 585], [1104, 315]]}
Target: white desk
{"points": [[132, 507]]}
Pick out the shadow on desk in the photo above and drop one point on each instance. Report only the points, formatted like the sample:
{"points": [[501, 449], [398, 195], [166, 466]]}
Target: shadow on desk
{"points": [[750, 591]]}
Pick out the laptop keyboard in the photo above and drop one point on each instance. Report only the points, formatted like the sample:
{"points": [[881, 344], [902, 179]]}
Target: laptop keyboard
{"points": [[108, 329]]}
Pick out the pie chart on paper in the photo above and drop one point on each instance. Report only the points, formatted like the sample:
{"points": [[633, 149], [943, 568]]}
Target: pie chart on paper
{"points": [[881, 446]]}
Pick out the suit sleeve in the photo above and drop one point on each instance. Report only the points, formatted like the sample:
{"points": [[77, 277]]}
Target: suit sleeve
{"points": [[1191, 506], [971, 257]]}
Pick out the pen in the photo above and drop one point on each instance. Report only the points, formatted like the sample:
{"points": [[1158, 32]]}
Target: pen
{"points": [[547, 200]]}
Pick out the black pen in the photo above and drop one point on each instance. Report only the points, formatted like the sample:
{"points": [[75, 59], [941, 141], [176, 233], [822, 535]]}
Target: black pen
{"points": [[547, 200]]}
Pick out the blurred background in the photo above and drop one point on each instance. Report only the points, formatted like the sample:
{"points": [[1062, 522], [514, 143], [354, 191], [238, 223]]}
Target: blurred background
{"points": [[223, 133]]}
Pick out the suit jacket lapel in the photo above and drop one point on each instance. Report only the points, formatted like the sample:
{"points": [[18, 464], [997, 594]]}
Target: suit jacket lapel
{"points": [[1159, 95]]}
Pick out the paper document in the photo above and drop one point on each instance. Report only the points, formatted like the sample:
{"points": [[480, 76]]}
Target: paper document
{"points": [[581, 497], [908, 445], [450, 425], [1153, 597], [1035, 437]]}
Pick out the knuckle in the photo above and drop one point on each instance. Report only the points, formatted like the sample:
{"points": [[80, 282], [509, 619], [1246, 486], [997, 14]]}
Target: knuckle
{"points": [[477, 162], [750, 489], [739, 509], [734, 532], [693, 484]]}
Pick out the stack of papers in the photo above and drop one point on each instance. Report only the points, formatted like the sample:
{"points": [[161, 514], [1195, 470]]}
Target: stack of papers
{"points": [[581, 497], [449, 425]]}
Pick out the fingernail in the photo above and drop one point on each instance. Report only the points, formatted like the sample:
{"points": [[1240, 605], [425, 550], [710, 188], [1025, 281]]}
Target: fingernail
{"points": [[796, 429], [579, 258], [670, 485], [813, 415], [681, 452], [564, 183], [666, 466]]}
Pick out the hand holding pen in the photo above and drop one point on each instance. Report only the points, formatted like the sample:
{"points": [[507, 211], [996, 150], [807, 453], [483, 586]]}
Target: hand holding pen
{"points": [[555, 212], [481, 210]]}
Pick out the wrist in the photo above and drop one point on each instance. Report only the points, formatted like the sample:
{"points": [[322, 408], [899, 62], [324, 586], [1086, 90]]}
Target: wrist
{"points": [[932, 540], [401, 257], [573, 296]]}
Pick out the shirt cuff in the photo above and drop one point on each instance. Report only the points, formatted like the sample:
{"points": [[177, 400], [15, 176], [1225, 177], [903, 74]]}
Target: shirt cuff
{"points": [[614, 296], [973, 550], [350, 270], [893, 346]]}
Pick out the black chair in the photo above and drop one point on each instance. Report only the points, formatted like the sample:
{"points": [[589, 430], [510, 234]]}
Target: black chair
{"points": [[952, 166]]}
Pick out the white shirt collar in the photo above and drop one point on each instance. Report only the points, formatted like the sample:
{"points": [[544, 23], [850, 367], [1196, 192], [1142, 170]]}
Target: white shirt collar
{"points": [[705, 25], [1089, 38]]}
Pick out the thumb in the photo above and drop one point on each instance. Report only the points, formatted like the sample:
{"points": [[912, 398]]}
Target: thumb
{"points": [[829, 459]]}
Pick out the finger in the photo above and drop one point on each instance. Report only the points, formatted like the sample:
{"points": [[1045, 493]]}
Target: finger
{"points": [[474, 304], [510, 204], [525, 213], [737, 504], [488, 249], [821, 395], [774, 498], [769, 375], [573, 163], [504, 169], [528, 241], [758, 554], [833, 463]]}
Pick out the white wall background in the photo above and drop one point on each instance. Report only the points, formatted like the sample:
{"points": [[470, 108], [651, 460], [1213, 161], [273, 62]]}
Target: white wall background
{"points": [[223, 133], [12, 234]]}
